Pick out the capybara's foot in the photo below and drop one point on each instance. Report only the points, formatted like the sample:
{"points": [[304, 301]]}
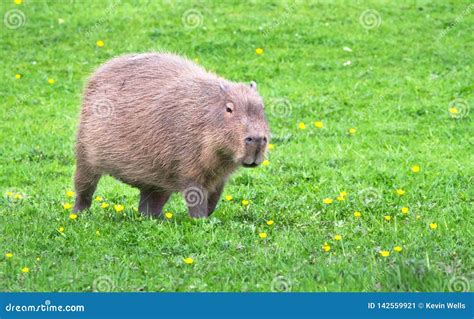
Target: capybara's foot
{"points": [[213, 198], [152, 202], [82, 203]]}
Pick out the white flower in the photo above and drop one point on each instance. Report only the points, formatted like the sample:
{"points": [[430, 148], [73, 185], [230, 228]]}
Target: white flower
{"points": [[347, 49], [347, 63], [60, 21]]}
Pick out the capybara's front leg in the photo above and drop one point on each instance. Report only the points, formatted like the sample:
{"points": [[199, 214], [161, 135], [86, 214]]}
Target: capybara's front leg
{"points": [[214, 199], [152, 202], [196, 200]]}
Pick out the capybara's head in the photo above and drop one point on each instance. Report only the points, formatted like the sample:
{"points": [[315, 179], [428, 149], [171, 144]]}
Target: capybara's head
{"points": [[244, 123]]}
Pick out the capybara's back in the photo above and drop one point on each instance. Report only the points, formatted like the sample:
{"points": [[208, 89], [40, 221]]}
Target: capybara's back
{"points": [[163, 124]]}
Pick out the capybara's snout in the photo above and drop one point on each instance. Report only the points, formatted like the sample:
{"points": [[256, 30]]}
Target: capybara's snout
{"points": [[255, 148]]}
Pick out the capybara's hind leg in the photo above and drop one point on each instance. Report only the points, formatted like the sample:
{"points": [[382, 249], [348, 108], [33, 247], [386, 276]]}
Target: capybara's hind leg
{"points": [[152, 202], [85, 183]]}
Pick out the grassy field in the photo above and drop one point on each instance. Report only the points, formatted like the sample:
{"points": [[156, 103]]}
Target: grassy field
{"points": [[367, 99]]}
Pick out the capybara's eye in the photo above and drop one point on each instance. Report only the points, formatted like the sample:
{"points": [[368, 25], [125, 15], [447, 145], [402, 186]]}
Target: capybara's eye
{"points": [[229, 107]]}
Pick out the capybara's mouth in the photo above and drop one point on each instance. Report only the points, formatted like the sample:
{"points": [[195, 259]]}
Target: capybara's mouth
{"points": [[250, 165]]}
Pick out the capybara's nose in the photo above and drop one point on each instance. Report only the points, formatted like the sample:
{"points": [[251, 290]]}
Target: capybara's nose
{"points": [[256, 140]]}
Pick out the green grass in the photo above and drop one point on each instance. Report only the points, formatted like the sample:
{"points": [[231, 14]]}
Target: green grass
{"points": [[396, 93]]}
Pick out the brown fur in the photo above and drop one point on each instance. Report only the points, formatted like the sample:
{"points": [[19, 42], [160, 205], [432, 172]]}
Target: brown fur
{"points": [[163, 124]]}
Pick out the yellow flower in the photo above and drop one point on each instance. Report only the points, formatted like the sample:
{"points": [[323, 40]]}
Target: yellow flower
{"points": [[18, 2], [104, 205], [97, 232], [228, 198], [70, 193], [266, 163], [67, 206], [326, 247], [61, 229], [73, 216], [352, 131], [384, 253], [38, 259], [262, 235], [18, 196], [8, 255], [301, 126], [327, 201], [397, 249], [400, 192], [319, 124], [188, 260], [51, 81], [433, 226], [259, 51], [169, 215], [100, 43], [269, 222], [245, 202], [343, 194], [415, 168], [387, 218], [9, 194], [118, 208], [271, 146], [337, 237], [405, 210], [357, 214], [340, 198], [453, 110], [17, 76], [25, 270], [99, 198]]}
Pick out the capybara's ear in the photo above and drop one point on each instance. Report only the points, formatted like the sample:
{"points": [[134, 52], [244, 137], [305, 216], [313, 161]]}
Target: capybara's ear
{"points": [[253, 85], [224, 88]]}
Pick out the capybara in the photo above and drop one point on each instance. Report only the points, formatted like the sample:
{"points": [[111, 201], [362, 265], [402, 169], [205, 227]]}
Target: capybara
{"points": [[163, 124]]}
